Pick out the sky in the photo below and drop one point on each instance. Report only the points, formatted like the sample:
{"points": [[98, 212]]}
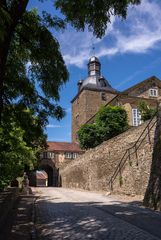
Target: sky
{"points": [[129, 53]]}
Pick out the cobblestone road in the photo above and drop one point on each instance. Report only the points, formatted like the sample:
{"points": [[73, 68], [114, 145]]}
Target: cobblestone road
{"points": [[69, 214]]}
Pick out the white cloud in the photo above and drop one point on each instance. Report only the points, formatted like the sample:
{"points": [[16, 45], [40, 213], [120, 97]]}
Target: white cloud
{"points": [[54, 126], [138, 34], [77, 47]]}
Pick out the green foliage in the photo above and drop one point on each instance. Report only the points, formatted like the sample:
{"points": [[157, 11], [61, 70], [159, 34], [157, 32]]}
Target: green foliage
{"points": [[34, 74], [35, 63], [15, 154], [95, 14], [146, 112], [110, 121], [21, 139], [89, 136]]}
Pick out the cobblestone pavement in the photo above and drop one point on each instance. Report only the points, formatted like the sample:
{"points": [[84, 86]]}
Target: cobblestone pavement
{"points": [[72, 214]]}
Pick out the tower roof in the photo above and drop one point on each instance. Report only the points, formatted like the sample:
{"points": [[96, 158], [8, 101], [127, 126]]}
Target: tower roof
{"points": [[94, 80], [93, 59]]}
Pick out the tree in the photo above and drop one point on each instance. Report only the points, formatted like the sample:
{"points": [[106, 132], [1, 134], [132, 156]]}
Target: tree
{"points": [[34, 61], [14, 154], [21, 140], [89, 136], [32, 45], [110, 121], [146, 111], [96, 14]]}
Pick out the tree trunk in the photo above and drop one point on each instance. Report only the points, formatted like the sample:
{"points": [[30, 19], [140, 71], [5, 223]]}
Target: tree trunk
{"points": [[15, 12], [152, 196]]}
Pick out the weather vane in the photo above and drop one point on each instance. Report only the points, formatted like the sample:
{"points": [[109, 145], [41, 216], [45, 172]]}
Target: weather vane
{"points": [[93, 47]]}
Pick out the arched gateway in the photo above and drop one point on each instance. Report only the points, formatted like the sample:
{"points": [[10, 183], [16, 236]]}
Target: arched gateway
{"points": [[53, 173], [56, 157]]}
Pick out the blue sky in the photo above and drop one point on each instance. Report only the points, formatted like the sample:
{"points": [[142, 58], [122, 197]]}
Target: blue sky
{"points": [[129, 52]]}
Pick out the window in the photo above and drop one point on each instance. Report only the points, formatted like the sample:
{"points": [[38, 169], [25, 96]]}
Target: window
{"points": [[68, 155], [103, 96], [136, 117], [93, 72], [45, 155], [153, 92], [71, 155], [75, 155], [48, 155]]}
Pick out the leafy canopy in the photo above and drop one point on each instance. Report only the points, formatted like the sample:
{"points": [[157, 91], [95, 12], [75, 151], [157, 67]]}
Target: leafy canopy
{"points": [[35, 72], [146, 111], [35, 69], [89, 136], [110, 121], [14, 154], [95, 14]]}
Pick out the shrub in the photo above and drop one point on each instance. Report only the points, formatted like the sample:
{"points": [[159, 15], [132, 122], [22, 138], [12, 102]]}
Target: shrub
{"points": [[145, 111], [110, 121], [89, 136]]}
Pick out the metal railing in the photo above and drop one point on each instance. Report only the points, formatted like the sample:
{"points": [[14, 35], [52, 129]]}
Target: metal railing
{"points": [[132, 150]]}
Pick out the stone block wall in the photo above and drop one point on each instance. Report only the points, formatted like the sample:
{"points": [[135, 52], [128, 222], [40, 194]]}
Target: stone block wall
{"points": [[93, 170]]}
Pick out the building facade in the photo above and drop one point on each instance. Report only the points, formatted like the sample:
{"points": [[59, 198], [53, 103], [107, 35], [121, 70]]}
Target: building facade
{"points": [[55, 157], [95, 91]]}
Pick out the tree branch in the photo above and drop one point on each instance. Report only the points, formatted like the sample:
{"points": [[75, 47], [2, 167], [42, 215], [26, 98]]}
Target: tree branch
{"points": [[17, 9]]}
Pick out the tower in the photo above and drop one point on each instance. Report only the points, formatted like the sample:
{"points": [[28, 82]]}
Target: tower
{"points": [[93, 92]]}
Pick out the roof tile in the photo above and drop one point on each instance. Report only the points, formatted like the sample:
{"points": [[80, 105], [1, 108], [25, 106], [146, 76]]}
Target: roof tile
{"points": [[63, 146]]}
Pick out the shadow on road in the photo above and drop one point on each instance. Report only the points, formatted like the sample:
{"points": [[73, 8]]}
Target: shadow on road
{"points": [[59, 220]]}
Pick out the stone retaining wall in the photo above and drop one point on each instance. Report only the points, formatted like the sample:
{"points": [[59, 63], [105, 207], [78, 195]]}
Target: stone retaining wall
{"points": [[8, 199], [93, 170]]}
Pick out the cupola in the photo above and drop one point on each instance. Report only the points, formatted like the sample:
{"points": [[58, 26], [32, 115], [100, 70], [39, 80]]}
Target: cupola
{"points": [[94, 80], [94, 67]]}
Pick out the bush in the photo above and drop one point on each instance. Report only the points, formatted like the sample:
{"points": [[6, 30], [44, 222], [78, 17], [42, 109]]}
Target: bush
{"points": [[89, 136], [145, 111], [110, 121]]}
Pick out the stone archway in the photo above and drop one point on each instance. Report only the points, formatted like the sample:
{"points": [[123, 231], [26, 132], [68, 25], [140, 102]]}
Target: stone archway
{"points": [[49, 170], [53, 173]]}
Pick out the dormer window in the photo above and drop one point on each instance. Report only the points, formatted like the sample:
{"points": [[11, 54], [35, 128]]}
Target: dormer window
{"points": [[153, 92], [103, 96]]}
